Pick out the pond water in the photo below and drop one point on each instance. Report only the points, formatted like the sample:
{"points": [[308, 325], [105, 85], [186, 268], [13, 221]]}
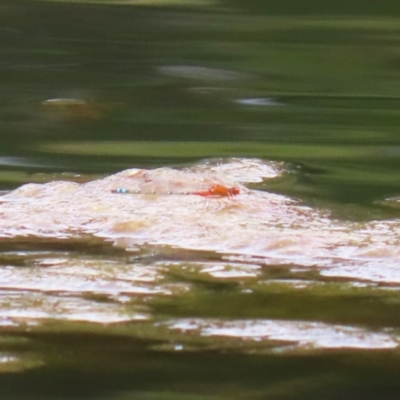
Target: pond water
{"points": [[199, 199]]}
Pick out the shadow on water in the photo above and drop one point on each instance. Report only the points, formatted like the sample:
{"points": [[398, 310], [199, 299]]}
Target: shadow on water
{"points": [[127, 371]]}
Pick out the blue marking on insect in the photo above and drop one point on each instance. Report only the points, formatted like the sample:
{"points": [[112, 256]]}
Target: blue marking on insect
{"points": [[120, 190]]}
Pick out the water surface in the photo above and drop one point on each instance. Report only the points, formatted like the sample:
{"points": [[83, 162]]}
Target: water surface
{"points": [[288, 289]]}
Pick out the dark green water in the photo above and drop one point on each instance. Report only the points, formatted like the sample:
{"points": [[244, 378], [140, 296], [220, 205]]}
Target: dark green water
{"points": [[87, 90]]}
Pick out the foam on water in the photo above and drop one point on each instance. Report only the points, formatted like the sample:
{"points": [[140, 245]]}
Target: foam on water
{"points": [[302, 334], [171, 244], [273, 228], [28, 308]]}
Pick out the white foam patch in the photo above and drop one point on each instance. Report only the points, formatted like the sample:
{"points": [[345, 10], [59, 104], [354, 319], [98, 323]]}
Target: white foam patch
{"points": [[377, 271], [165, 211], [242, 170], [28, 308], [231, 271], [299, 333], [80, 277]]}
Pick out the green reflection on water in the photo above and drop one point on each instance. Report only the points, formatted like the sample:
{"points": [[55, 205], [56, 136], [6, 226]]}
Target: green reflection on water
{"points": [[170, 74], [213, 149], [329, 303], [140, 2]]}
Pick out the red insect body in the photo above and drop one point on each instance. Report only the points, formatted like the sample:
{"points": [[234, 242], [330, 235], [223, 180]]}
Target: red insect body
{"points": [[218, 191]]}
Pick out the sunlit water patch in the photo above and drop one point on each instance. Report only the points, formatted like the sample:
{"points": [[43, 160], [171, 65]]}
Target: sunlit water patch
{"points": [[10, 363], [257, 102], [13, 354]]}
